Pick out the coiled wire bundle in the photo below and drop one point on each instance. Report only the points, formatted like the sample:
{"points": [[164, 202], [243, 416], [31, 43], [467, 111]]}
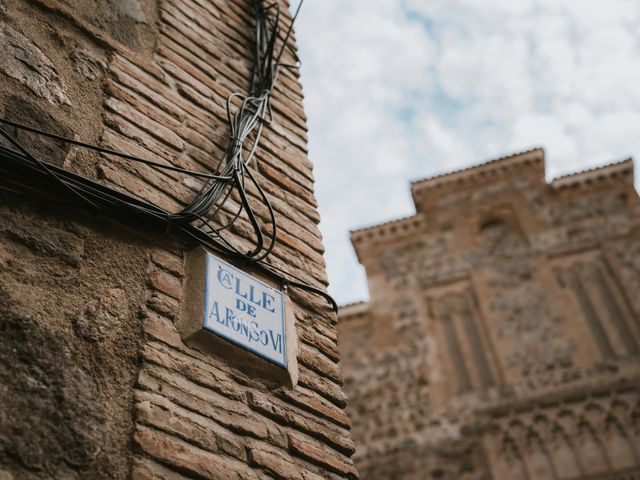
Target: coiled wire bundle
{"points": [[246, 122], [25, 174]]}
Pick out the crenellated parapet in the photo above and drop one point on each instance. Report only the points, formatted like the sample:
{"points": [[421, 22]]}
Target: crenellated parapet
{"points": [[612, 173], [369, 237], [529, 163]]}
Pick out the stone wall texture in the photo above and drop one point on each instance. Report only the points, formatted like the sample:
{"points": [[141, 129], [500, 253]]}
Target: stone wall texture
{"points": [[95, 381], [502, 338]]}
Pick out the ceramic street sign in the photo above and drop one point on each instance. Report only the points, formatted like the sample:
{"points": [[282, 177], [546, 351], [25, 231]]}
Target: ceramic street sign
{"points": [[244, 310]]}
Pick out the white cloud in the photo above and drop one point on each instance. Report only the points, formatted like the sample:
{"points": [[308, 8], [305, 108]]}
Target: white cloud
{"points": [[400, 89]]}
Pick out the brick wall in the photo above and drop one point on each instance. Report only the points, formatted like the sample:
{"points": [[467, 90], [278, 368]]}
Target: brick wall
{"points": [[96, 380]]}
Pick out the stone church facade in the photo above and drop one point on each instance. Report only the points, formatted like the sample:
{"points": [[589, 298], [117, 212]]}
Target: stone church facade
{"points": [[97, 380], [502, 338]]}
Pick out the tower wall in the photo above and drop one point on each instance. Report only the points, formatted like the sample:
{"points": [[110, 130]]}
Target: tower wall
{"points": [[501, 339], [95, 379]]}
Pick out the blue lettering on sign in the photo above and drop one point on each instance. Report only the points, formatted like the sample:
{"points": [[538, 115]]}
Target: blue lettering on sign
{"points": [[231, 282], [215, 312], [225, 278], [248, 329], [245, 310]]}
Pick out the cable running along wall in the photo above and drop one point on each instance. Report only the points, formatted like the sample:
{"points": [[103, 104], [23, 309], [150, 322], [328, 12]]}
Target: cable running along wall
{"points": [[24, 173]]}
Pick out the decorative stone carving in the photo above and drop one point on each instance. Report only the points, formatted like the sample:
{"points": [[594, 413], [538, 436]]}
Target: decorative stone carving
{"points": [[629, 257], [525, 314], [587, 207]]}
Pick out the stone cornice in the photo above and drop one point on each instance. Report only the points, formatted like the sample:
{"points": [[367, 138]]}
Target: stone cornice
{"points": [[594, 175], [601, 384], [392, 229], [478, 173]]}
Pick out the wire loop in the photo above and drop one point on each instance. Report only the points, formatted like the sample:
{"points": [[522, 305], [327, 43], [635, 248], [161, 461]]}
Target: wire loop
{"points": [[23, 173]]}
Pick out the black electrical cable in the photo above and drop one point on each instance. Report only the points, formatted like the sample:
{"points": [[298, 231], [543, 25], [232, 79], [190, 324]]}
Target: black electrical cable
{"points": [[23, 173], [108, 151]]}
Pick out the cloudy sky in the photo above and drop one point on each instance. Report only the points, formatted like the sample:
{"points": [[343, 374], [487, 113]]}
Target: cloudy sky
{"points": [[397, 90]]}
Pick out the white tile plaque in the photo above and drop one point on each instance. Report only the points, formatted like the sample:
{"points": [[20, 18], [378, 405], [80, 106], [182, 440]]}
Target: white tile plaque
{"points": [[244, 310]]}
